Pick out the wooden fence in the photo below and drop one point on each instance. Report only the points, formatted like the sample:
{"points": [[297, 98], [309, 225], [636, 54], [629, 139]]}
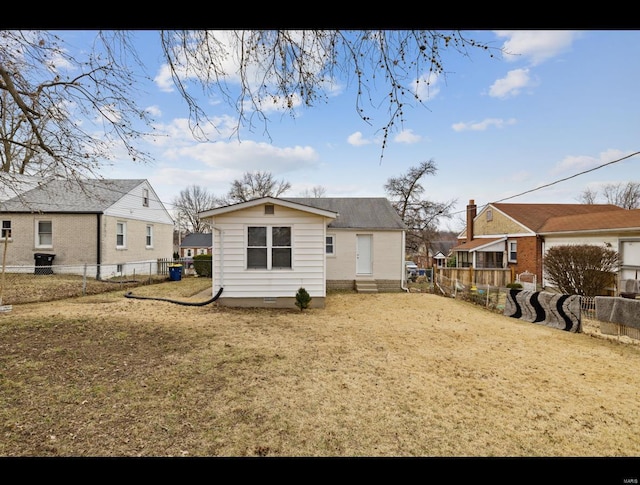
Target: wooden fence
{"points": [[467, 276]]}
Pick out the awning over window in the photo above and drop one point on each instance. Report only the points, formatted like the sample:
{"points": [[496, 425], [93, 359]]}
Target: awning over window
{"points": [[488, 244]]}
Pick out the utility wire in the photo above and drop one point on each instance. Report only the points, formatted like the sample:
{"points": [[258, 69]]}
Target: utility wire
{"points": [[570, 177], [557, 181]]}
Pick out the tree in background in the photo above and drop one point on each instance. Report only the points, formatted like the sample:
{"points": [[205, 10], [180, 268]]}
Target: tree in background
{"points": [[315, 192], [57, 95], [581, 269], [625, 195], [191, 201], [50, 100], [420, 215], [255, 184]]}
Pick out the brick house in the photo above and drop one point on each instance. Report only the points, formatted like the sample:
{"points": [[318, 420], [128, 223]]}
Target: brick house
{"points": [[516, 236], [104, 223]]}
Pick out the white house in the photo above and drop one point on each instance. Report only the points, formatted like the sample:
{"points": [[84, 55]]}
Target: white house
{"points": [[265, 249]]}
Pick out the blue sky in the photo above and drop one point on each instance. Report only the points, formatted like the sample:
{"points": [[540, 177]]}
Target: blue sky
{"points": [[564, 103]]}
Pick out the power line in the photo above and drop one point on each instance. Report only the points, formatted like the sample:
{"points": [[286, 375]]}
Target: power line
{"points": [[570, 177], [558, 181]]}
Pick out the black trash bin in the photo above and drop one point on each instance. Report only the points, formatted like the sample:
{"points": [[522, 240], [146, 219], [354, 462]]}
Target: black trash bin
{"points": [[43, 263]]}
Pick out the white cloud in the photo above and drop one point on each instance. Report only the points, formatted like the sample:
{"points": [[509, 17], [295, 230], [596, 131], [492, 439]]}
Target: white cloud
{"points": [[512, 84], [248, 156], [178, 132], [407, 136], [580, 163], [154, 110], [163, 79], [426, 87], [356, 139], [483, 125], [536, 46]]}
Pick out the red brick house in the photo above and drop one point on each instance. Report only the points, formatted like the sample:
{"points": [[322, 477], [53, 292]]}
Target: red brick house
{"points": [[516, 236], [196, 243]]}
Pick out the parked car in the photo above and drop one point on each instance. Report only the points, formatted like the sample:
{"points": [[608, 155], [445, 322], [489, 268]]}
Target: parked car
{"points": [[412, 270]]}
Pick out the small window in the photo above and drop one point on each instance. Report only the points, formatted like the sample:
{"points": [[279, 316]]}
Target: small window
{"points": [[121, 235], [513, 251], [269, 209], [6, 230], [45, 234], [189, 253], [489, 215], [149, 241], [330, 245], [145, 197]]}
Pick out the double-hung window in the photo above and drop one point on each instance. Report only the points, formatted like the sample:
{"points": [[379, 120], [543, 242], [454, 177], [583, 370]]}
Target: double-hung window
{"points": [[6, 230], [513, 251], [149, 239], [44, 234], [330, 245], [121, 235], [268, 247]]}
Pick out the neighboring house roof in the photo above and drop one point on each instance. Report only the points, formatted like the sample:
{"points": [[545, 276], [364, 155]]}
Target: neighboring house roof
{"points": [[534, 216], [197, 240], [12, 185], [64, 196], [624, 220], [356, 212], [442, 247], [479, 243]]}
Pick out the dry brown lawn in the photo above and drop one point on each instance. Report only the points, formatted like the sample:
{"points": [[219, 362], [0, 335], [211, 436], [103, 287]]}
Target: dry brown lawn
{"points": [[381, 375]]}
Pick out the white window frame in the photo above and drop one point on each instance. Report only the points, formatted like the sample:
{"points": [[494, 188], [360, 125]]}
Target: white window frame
{"points": [[5, 225], [145, 197], [121, 233], [39, 234], [512, 244], [149, 237], [332, 244], [269, 248]]}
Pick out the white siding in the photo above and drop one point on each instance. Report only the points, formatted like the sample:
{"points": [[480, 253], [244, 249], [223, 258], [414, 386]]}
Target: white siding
{"points": [[308, 231], [628, 248], [131, 206]]}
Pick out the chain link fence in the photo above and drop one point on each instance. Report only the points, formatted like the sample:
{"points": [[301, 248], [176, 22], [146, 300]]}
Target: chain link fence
{"points": [[494, 298], [47, 282]]}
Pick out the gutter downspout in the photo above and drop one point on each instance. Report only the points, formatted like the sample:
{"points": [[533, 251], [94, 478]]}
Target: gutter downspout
{"points": [[403, 271], [98, 245], [213, 262]]}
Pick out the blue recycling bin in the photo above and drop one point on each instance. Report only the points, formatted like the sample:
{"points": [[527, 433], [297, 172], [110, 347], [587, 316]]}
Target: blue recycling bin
{"points": [[175, 272]]}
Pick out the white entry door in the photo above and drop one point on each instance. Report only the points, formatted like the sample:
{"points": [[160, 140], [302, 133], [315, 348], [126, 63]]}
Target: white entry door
{"points": [[363, 254]]}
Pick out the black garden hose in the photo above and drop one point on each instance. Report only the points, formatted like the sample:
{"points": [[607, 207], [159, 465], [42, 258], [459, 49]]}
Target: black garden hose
{"points": [[177, 302]]}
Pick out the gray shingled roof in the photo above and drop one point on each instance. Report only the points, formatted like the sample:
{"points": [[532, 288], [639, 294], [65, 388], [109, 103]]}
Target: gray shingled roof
{"points": [[356, 212], [55, 195], [197, 240]]}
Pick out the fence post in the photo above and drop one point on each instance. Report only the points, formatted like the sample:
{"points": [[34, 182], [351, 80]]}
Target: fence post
{"points": [[84, 280]]}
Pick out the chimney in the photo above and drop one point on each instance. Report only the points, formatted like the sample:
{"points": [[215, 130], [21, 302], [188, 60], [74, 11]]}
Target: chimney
{"points": [[471, 215]]}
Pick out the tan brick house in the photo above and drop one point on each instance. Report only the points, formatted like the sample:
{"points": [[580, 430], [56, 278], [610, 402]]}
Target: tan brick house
{"points": [[103, 223]]}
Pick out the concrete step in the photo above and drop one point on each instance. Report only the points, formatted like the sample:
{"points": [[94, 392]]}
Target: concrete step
{"points": [[366, 287]]}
